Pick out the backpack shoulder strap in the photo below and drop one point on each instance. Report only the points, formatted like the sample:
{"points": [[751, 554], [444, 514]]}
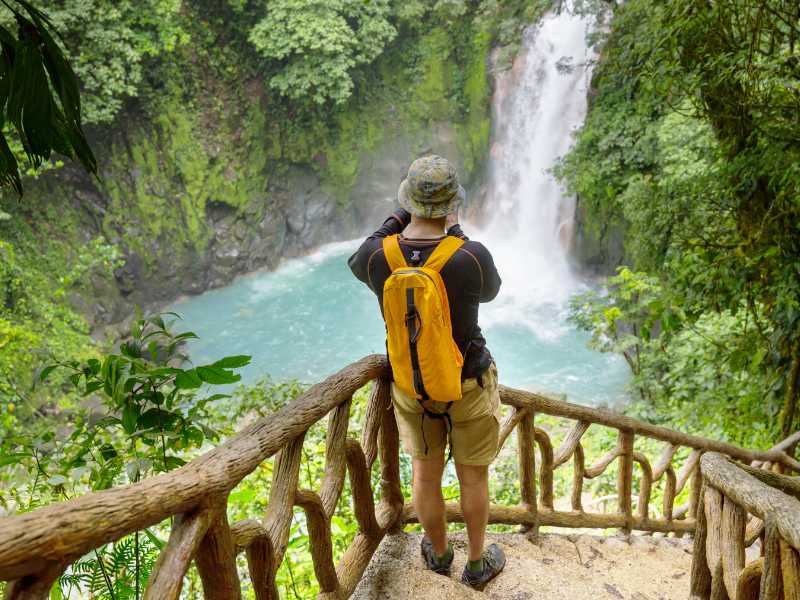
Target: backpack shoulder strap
{"points": [[444, 252], [393, 253]]}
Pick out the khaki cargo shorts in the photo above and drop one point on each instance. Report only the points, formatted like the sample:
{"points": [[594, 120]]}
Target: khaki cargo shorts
{"points": [[475, 419]]}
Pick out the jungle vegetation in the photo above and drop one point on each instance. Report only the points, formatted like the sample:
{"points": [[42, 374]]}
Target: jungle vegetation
{"points": [[691, 147]]}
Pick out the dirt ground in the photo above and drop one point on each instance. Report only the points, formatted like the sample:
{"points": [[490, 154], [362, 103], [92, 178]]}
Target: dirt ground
{"points": [[574, 567]]}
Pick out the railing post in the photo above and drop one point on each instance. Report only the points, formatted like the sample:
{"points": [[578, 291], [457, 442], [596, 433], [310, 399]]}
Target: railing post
{"points": [[278, 521], [700, 584], [790, 565], [578, 473], [390, 513], [188, 530], [35, 587], [527, 468], [625, 478], [216, 558], [771, 581], [696, 484], [734, 519], [335, 461], [389, 450], [712, 502], [546, 468], [379, 403]]}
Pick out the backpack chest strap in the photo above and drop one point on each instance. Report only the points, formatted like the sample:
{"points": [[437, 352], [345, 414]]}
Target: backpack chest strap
{"points": [[443, 252]]}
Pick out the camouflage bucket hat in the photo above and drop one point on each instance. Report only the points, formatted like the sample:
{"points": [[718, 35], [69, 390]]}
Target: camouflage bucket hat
{"points": [[431, 189]]}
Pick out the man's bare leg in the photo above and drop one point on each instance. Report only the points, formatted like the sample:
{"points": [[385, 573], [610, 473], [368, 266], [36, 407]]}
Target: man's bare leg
{"points": [[428, 501], [474, 482]]}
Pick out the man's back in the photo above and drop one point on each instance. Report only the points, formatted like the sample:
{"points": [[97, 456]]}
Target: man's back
{"points": [[470, 277]]}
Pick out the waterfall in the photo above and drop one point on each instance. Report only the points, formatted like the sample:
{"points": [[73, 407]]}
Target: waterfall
{"points": [[537, 106]]}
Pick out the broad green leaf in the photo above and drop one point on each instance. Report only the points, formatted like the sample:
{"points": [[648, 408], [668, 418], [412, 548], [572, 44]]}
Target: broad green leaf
{"points": [[108, 452], [188, 380], [93, 387], [46, 372], [217, 376], [130, 416], [154, 417], [13, 458], [173, 462], [232, 362]]}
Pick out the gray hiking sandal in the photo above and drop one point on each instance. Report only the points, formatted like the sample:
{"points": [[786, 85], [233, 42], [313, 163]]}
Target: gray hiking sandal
{"points": [[493, 562], [430, 558]]}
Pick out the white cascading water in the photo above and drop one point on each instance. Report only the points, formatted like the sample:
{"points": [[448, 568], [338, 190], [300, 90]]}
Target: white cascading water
{"points": [[537, 107]]}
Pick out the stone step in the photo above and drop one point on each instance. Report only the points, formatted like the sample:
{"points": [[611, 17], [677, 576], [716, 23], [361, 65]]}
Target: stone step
{"points": [[569, 567]]}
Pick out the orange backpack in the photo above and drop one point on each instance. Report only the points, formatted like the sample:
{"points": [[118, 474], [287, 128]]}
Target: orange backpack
{"points": [[426, 362]]}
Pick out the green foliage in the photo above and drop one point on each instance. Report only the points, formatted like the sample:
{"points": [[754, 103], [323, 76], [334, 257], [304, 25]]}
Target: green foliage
{"points": [[623, 318], [318, 43], [692, 143], [473, 124], [109, 43], [149, 413], [737, 63], [139, 414], [39, 274], [39, 95], [116, 571], [704, 374], [53, 51]]}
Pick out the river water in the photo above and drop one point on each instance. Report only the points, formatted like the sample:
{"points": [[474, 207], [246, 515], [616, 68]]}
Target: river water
{"points": [[310, 317]]}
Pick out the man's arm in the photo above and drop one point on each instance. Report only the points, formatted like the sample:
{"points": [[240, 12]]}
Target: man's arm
{"points": [[359, 262], [453, 227], [491, 278]]}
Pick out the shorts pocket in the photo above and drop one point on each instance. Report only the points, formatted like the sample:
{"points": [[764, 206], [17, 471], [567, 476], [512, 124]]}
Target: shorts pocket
{"points": [[403, 402], [477, 401]]}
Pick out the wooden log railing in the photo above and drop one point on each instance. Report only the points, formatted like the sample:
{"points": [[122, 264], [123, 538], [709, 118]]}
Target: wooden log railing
{"points": [[537, 507], [738, 506], [37, 547]]}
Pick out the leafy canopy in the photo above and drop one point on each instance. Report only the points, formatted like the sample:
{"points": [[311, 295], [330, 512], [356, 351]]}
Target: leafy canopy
{"points": [[71, 64], [316, 44], [109, 43]]}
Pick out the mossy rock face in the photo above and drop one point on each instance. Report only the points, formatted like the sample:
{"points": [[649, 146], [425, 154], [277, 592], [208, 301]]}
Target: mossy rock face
{"points": [[598, 248]]}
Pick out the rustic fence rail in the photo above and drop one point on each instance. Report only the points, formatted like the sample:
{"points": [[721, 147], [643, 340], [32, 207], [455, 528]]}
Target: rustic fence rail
{"points": [[37, 547], [737, 507], [537, 507]]}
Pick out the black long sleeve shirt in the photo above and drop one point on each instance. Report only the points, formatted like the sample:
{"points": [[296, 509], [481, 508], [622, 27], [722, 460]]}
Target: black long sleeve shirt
{"points": [[469, 276]]}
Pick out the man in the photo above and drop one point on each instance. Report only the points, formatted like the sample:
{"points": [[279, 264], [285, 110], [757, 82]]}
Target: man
{"points": [[429, 198]]}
